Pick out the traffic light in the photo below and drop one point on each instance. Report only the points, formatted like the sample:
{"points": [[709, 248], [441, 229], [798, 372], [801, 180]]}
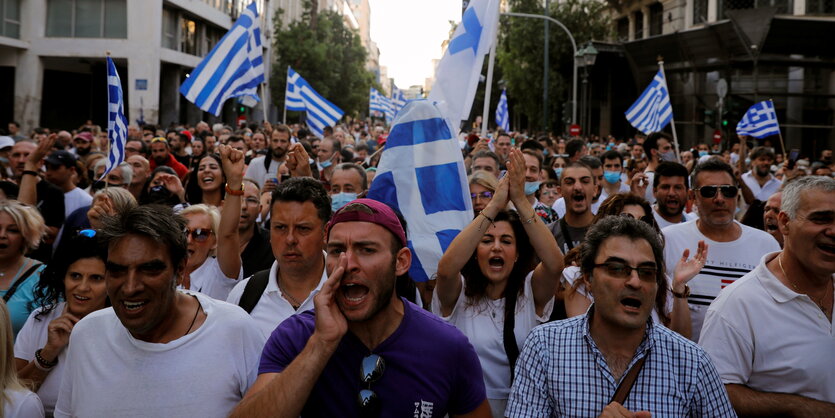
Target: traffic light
{"points": [[241, 109]]}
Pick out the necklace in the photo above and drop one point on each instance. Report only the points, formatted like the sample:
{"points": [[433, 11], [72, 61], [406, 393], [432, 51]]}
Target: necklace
{"points": [[820, 302], [23, 263], [193, 320], [295, 303]]}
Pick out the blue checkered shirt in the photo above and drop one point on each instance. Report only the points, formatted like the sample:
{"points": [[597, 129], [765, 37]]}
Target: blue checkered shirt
{"points": [[561, 372]]}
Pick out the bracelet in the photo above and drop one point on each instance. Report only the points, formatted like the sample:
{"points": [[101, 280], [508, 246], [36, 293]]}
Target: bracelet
{"points": [[683, 295], [29, 172], [41, 362], [531, 219], [486, 217], [236, 192]]}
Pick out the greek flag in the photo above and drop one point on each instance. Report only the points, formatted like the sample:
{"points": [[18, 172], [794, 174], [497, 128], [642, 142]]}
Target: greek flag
{"points": [[421, 174], [301, 97], [502, 117], [117, 123], [458, 73], [398, 99], [759, 121], [652, 112], [375, 101], [234, 68]]}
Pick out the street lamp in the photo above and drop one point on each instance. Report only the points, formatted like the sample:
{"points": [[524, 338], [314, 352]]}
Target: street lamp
{"points": [[586, 57]]}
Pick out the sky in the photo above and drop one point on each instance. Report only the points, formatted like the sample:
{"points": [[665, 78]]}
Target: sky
{"points": [[409, 34]]}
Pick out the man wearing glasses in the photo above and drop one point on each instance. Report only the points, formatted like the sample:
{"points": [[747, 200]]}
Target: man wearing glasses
{"points": [[366, 352], [615, 360], [735, 249]]}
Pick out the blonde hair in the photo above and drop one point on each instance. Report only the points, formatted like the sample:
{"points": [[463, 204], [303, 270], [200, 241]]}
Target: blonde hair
{"points": [[122, 199], [211, 211], [484, 179], [8, 371], [28, 219]]}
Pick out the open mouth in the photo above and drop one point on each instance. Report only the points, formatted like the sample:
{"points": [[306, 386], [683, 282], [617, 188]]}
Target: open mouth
{"points": [[578, 197], [4, 246], [828, 248], [133, 306], [495, 263], [353, 292], [80, 298], [208, 179], [770, 226], [631, 303]]}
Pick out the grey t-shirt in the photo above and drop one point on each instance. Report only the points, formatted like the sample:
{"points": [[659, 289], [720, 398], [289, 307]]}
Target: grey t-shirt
{"points": [[577, 235]]}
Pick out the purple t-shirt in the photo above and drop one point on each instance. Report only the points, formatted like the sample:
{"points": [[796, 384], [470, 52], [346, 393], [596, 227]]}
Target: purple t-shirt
{"points": [[431, 368]]}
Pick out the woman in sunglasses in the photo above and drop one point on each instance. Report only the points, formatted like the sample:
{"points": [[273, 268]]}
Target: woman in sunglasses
{"points": [[489, 286], [71, 287], [672, 312], [482, 187]]}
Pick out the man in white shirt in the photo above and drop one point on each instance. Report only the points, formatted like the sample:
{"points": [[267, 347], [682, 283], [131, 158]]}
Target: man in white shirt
{"points": [[157, 351], [759, 180], [670, 187], [770, 333], [734, 249], [300, 209], [264, 169], [60, 170], [612, 175]]}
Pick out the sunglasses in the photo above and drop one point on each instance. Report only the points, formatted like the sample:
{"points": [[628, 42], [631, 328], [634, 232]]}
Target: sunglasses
{"points": [[624, 271], [199, 234], [483, 195], [371, 370], [710, 191]]}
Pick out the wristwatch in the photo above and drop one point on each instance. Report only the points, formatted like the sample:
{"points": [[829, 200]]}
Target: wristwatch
{"points": [[684, 295]]}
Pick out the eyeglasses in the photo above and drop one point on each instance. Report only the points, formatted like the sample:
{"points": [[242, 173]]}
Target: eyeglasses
{"points": [[483, 195], [620, 270], [710, 191], [199, 234], [371, 370]]}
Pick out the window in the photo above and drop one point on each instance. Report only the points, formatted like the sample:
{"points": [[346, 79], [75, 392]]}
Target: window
{"points": [[188, 36], [783, 6], [699, 11], [169, 29], [87, 18], [656, 19], [10, 18], [820, 7], [623, 29], [639, 25]]}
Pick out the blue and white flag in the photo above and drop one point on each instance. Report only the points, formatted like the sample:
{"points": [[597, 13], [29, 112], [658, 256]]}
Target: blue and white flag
{"points": [[458, 73], [502, 117], [301, 97], [117, 123], [652, 112], [759, 121], [398, 99], [234, 68], [375, 101], [422, 174]]}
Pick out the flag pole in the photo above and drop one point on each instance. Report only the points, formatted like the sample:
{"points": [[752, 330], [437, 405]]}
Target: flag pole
{"points": [[488, 89], [284, 116], [780, 134], [672, 118]]}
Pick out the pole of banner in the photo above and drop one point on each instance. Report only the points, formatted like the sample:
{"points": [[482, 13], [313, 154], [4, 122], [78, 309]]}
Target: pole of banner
{"points": [[264, 102], [672, 118], [488, 89], [284, 116], [780, 134]]}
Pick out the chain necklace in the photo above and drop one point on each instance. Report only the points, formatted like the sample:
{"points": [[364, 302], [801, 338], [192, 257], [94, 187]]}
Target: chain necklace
{"points": [[295, 303], [820, 303]]}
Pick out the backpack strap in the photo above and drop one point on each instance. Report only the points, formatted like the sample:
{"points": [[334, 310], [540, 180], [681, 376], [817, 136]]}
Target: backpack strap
{"points": [[253, 290], [17, 283], [508, 336]]}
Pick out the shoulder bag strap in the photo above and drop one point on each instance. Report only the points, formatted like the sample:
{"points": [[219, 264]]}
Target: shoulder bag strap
{"points": [[253, 290], [626, 384], [566, 236], [508, 336], [21, 279]]}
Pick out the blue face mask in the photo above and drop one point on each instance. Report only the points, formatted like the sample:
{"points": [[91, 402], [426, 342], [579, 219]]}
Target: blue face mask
{"points": [[668, 156], [611, 177], [341, 199], [703, 153], [558, 172], [531, 187], [326, 164], [545, 152]]}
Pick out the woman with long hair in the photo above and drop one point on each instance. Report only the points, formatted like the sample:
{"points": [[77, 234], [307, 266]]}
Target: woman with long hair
{"points": [[206, 183], [489, 285], [17, 401], [21, 230], [71, 287]]}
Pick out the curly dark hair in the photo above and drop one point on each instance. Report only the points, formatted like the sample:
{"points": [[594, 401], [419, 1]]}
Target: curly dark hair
{"points": [[614, 204], [49, 291]]}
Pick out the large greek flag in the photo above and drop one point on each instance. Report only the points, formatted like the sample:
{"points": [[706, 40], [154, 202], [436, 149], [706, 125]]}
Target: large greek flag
{"points": [[301, 97], [421, 174], [759, 121], [502, 117], [234, 68], [117, 123], [375, 101], [652, 112]]}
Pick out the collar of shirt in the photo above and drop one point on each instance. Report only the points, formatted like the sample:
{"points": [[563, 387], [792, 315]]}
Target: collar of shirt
{"points": [[643, 348], [775, 288], [272, 284]]}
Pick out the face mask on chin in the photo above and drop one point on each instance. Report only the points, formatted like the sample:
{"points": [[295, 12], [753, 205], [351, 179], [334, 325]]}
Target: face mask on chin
{"points": [[531, 187]]}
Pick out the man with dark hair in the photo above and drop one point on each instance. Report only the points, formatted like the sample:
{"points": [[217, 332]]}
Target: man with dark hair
{"points": [[759, 179], [178, 140], [735, 249], [576, 148], [486, 161], [264, 169], [574, 367], [533, 166], [299, 211], [256, 253], [657, 147], [347, 183], [61, 170], [593, 163], [577, 186], [502, 147], [136, 147], [190, 339], [612, 175], [327, 155], [161, 155], [770, 333], [14, 131], [410, 362], [670, 186]]}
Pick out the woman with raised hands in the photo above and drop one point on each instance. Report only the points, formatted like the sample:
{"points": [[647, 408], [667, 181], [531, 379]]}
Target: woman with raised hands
{"points": [[489, 286]]}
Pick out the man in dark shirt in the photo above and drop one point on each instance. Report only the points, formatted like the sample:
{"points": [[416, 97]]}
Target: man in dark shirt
{"points": [[257, 254]]}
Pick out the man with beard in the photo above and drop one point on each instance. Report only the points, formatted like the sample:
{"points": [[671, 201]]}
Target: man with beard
{"points": [[770, 212], [264, 169], [161, 155], [83, 144], [178, 140], [670, 186], [735, 249], [577, 367], [366, 352], [759, 180], [577, 187]]}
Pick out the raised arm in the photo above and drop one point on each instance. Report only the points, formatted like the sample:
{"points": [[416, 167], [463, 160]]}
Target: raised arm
{"points": [[228, 244], [28, 183], [685, 270]]}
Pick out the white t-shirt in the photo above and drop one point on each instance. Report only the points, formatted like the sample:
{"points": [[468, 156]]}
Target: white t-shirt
{"points": [[74, 199], [257, 172], [203, 374], [209, 280], [273, 308], [32, 337], [761, 193], [726, 262], [762, 334], [650, 195], [22, 404], [483, 324], [605, 195], [663, 223]]}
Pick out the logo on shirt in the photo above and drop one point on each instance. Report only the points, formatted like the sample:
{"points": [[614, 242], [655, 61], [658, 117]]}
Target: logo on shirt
{"points": [[423, 409]]}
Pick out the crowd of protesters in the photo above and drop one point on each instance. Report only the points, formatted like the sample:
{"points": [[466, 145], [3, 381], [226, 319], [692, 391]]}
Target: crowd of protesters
{"points": [[242, 271]]}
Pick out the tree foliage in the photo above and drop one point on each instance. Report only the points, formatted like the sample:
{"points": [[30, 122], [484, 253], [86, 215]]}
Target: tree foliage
{"points": [[521, 51], [328, 54]]}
